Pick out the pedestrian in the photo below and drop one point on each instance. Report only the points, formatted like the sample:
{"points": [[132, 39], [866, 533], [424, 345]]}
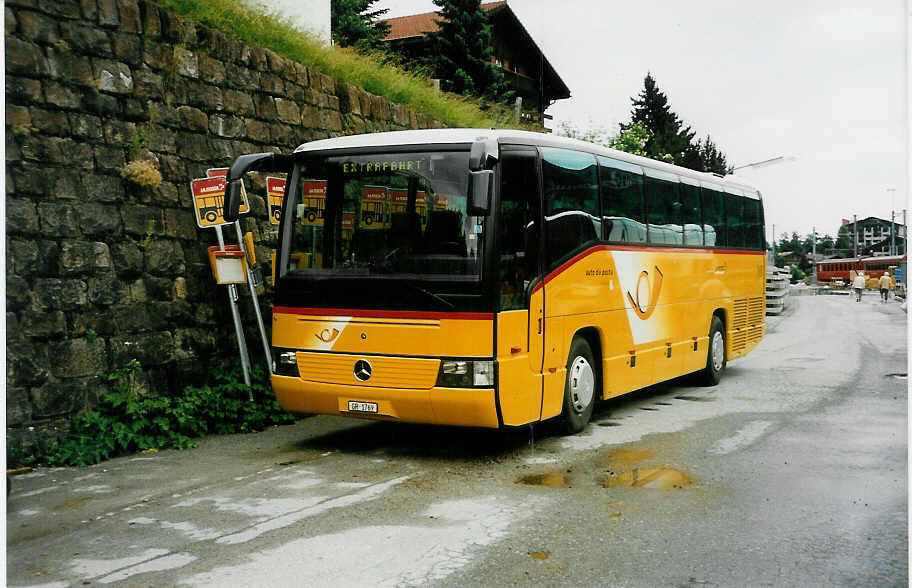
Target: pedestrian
{"points": [[885, 285], [858, 285]]}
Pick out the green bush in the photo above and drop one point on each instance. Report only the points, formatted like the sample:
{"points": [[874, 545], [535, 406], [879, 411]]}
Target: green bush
{"points": [[125, 422]]}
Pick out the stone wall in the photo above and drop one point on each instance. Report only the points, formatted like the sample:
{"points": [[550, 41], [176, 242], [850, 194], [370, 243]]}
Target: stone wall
{"points": [[98, 269]]}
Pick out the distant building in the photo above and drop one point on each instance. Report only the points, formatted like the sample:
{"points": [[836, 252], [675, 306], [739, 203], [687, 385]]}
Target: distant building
{"points": [[874, 235], [525, 67]]}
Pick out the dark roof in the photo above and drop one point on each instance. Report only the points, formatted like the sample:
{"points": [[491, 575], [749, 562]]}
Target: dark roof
{"points": [[413, 27], [867, 221], [405, 27]]}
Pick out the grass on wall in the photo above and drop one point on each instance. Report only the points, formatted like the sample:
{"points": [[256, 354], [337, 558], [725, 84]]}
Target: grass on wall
{"points": [[373, 73]]}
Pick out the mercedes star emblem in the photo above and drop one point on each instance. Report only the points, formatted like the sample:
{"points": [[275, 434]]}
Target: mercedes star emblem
{"points": [[362, 370]]}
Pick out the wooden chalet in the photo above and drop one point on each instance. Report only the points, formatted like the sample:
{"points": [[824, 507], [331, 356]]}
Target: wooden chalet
{"points": [[525, 67]]}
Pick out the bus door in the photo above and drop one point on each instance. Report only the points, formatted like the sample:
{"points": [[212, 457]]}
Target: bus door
{"points": [[520, 321]]}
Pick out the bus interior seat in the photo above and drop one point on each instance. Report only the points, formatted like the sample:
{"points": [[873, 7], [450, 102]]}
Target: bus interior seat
{"points": [[405, 230], [710, 233], [368, 243], [443, 233]]}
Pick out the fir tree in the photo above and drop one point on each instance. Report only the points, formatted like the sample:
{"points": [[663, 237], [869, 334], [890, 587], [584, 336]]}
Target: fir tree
{"points": [[461, 51], [355, 24], [669, 139], [711, 159], [668, 133]]}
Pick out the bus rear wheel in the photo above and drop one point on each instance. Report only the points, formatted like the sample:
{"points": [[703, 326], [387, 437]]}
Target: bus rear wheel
{"points": [[715, 355], [581, 388]]}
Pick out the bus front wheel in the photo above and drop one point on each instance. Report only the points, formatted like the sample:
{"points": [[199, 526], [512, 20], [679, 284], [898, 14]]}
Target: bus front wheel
{"points": [[715, 355], [580, 387]]}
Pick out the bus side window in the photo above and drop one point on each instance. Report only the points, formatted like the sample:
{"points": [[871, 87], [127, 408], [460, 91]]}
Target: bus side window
{"points": [[734, 218], [691, 215], [571, 202], [753, 228], [663, 210], [713, 218], [518, 224], [621, 189]]}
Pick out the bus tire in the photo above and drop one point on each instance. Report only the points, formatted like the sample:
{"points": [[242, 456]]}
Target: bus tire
{"points": [[581, 387], [715, 354]]}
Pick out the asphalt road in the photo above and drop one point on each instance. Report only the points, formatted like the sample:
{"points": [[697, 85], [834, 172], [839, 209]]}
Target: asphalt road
{"points": [[791, 472]]}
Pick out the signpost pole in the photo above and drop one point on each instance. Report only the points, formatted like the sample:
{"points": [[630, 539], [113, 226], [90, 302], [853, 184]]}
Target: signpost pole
{"points": [[256, 302], [236, 315], [814, 252]]}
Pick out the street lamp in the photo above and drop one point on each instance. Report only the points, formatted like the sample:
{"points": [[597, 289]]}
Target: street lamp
{"points": [[765, 162]]}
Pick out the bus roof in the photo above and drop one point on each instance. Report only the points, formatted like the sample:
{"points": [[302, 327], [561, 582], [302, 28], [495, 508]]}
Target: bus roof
{"points": [[510, 136]]}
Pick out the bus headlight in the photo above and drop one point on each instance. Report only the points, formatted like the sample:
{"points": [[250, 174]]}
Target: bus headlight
{"points": [[285, 362], [465, 373]]}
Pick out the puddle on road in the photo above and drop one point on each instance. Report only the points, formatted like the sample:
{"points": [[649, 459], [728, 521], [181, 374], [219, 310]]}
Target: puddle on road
{"points": [[658, 478], [553, 480], [619, 469], [695, 398], [621, 474]]}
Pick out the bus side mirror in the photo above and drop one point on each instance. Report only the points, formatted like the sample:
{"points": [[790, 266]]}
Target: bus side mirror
{"points": [[232, 201], [480, 184], [243, 164]]}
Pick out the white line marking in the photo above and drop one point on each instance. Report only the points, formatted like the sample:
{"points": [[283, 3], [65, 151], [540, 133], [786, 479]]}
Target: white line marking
{"points": [[364, 495], [750, 433]]}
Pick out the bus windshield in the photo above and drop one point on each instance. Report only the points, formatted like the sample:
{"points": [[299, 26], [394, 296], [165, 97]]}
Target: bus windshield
{"points": [[385, 214]]}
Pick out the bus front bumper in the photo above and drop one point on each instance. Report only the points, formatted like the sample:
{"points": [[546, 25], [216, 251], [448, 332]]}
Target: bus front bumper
{"points": [[474, 407]]}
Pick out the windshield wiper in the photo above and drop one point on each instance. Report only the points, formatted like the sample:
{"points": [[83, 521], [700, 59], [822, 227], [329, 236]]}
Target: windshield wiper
{"points": [[449, 305]]}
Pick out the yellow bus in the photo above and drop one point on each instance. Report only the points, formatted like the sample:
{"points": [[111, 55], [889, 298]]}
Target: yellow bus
{"points": [[551, 273]]}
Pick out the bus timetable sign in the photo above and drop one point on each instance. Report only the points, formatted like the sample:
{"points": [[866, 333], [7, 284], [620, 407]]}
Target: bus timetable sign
{"points": [[208, 197], [275, 189]]}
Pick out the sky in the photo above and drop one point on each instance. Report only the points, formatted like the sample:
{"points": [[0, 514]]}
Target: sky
{"points": [[824, 84]]}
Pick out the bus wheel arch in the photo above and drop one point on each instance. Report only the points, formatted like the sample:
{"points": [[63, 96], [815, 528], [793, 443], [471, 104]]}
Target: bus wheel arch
{"points": [[582, 385], [716, 350]]}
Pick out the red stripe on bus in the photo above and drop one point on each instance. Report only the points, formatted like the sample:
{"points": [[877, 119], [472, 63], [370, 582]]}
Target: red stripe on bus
{"points": [[404, 314], [595, 249]]}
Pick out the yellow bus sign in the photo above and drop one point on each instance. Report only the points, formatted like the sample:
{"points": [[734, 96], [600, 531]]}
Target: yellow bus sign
{"points": [[399, 203], [275, 192], [209, 195], [374, 208], [313, 202], [222, 172]]}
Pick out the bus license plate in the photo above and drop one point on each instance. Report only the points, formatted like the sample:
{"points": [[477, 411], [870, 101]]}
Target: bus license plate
{"points": [[355, 406]]}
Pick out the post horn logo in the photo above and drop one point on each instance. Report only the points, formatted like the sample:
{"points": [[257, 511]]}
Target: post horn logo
{"points": [[327, 335], [646, 295]]}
